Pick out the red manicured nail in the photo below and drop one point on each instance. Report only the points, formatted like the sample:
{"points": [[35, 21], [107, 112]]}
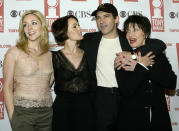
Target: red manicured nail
{"points": [[138, 52]]}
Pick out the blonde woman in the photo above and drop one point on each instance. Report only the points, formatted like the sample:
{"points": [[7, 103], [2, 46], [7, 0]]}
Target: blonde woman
{"points": [[28, 74]]}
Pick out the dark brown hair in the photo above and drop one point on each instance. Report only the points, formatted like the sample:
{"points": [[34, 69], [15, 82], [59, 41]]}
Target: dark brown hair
{"points": [[60, 28]]}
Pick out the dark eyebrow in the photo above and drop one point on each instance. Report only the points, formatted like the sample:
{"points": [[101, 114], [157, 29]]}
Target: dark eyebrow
{"points": [[106, 14]]}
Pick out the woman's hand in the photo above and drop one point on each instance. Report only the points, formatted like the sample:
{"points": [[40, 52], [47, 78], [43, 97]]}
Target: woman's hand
{"points": [[11, 114], [146, 60], [128, 64], [124, 60], [120, 57]]}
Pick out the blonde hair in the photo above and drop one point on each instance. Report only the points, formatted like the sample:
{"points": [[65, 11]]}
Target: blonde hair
{"points": [[22, 43]]}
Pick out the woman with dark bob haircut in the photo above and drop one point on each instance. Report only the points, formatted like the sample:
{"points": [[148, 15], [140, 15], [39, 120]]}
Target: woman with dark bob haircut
{"points": [[72, 109], [143, 103], [142, 22]]}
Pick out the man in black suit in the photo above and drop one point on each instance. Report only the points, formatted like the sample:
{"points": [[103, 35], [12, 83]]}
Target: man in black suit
{"points": [[100, 50]]}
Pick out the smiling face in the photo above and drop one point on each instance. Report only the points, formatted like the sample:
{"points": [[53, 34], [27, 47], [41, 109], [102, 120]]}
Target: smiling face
{"points": [[74, 30], [135, 36], [107, 24], [32, 27]]}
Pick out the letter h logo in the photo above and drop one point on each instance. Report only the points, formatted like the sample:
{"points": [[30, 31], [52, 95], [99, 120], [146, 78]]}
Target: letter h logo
{"points": [[157, 15], [52, 11]]}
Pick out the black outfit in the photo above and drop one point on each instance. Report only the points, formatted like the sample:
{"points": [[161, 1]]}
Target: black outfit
{"points": [[143, 104], [72, 108], [107, 100]]}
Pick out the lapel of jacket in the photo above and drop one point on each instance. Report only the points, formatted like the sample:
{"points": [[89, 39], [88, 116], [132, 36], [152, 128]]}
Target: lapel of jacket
{"points": [[96, 42]]}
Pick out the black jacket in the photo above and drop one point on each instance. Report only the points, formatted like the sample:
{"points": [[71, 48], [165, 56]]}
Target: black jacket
{"points": [[91, 42], [142, 90]]}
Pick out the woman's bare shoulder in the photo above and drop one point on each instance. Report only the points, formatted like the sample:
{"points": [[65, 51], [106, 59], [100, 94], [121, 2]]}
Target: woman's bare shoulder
{"points": [[14, 51]]}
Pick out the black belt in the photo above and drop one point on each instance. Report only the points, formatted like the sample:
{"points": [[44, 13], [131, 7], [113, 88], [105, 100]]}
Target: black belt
{"points": [[111, 90]]}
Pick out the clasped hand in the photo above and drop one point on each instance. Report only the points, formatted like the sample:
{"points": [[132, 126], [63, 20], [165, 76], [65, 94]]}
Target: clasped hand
{"points": [[124, 60]]}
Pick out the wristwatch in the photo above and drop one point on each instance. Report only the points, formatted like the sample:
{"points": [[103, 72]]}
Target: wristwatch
{"points": [[133, 56]]}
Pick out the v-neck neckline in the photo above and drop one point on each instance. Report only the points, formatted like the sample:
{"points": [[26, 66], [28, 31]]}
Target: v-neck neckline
{"points": [[75, 68]]}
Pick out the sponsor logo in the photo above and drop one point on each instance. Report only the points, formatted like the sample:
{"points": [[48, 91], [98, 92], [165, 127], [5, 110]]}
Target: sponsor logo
{"points": [[157, 15], [88, 30], [173, 15], [79, 0], [169, 44], [1, 101], [15, 13], [52, 11], [174, 30], [175, 1], [176, 108], [124, 14], [5, 46], [80, 14], [1, 63], [131, 0], [55, 45], [1, 15], [105, 1], [177, 92], [13, 30], [168, 102], [174, 123]]}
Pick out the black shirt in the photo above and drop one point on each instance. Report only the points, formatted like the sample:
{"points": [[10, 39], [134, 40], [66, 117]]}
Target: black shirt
{"points": [[67, 77]]}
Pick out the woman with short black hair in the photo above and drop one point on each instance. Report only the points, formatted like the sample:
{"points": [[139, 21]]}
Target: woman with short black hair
{"points": [[143, 103]]}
